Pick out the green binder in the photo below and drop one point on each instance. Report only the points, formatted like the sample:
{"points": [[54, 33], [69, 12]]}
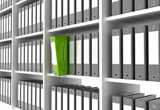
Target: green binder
{"points": [[60, 54]]}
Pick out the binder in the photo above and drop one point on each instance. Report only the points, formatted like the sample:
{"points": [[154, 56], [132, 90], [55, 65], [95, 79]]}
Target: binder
{"points": [[87, 10], [34, 56], [79, 11], [38, 56], [7, 57], [128, 63], [42, 97], [42, 55], [34, 17], [26, 56], [128, 6], [129, 101], [23, 21], [33, 96], [30, 56], [154, 104], [6, 90], [38, 16], [19, 56], [116, 53], [0, 5], [153, 3], [79, 54], [29, 95], [4, 4], [153, 43], [38, 96], [87, 54], [65, 12], [1, 89], [26, 95], [9, 91], [10, 25], [4, 56], [65, 98], [142, 103], [26, 19], [72, 55], [0, 58], [22, 57], [116, 7], [59, 98], [0, 27], [10, 57], [20, 22], [72, 12], [140, 4], [4, 27], [95, 9], [140, 52], [59, 13], [30, 18], [9, 3], [54, 13], [22, 95], [54, 98], [42, 14], [7, 26]]}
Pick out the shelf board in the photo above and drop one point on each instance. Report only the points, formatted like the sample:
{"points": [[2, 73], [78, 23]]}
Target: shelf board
{"points": [[75, 77], [141, 14], [128, 81], [30, 35], [75, 26], [31, 73], [6, 10], [6, 40], [7, 71], [24, 3], [6, 106]]}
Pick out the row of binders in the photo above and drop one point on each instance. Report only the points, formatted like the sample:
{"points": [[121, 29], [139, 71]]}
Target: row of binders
{"points": [[83, 54], [6, 57], [30, 95], [135, 52], [6, 26], [5, 4], [31, 18], [68, 12], [30, 56], [5, 89], [74, 97], [126, 6], [135, 101]]}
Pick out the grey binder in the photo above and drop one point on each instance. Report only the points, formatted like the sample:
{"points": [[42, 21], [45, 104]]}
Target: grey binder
{"points": [[22, 95], [20, 22], [128, 6], [10, 25], [42, 14], [19, 57], [95, 98], [7, 26], [72, 55], [4, 53], [140, 4], [116, 7], [65, 12], [23, 57], [153, 3], [54, 98], [30, 56], [41, 56], [1, 90], [59, 13], [10, 57], [26, 56], [29, 96], [9, 88], [34, 17], [87, 11], [33, 95], [23, 21], [34, 56], [79, 11], [79, 54], [26, 95], [26, 19], [72, 12], [154, 104], [65, 98], [38, 96], [38, 56], [1, 28], [54, 13], [87, 54], [7, 57], [38, 16], [95, 9], [117, 58], [19, 95], [59, 97], [30, 18]]}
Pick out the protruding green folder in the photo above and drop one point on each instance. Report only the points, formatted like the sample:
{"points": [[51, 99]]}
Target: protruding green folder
{"points": [[60, 54]]}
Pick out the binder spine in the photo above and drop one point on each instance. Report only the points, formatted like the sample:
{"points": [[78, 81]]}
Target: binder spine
{"points": [[30, 18], [38, 56], [95, 9], [54, 14], [153, 3], [42, 55]]}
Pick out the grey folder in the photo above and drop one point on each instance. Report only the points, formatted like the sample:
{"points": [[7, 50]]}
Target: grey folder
{"points": [[54, 88], [128, 61], [26, 95], [79, 54], [38, 87], [140, 4], [153, 3], [153, 44], [54, 20], [20, 22], [19, 57], [29, 95], [35, 19], [31, 59], [128, 6], [154, 104], [65, 99], [26, 18], [4, 52], [141, 65], [72, 55], [1, 28], [87, 13], [59, 13], [1, 89], [10, 64], [19, 93], [79, 11], [65, 12], [22, 95], [59, 97], [26, 56], [9, 101], [38, 16], [34, 56], [72, 16], [117, 68], [7, 27], [95, 11], [143, 102], [31, 16], [23, 60], [87, 54], [23, 21], [33, 95], [116, 7], [10, 25], [6, 60], [38, 59], [72, 91], [42, 3], [95, 96], [41, 62]]}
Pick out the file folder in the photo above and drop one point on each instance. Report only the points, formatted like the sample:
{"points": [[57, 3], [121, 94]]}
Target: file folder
{"points": [[54, 13], [87, 10], [153, 46], [61, 63], [22, 95], [116, 7], [29, 95], [30, 56], [140, 52], [0, 58], [95, 9], [6, 94], [154, 104], [79, 54], [65, 98], [153, 3], [129, 101], [38, 16], [7, 26], [4, 4], [140, 4], [10, 2], [20, 21], [87, 54], [65, 12], [128, 6], [59, 98], [33, 95], [59, 13], [10, 57], [38, 56], [0, 5], [26, 56], [34, 56], [2, 27], [22, 57], [72, 12], [79, 11], [72, 56], [23, 21], [26, 19], [116, 53], [72, 99], [19, 95], [4, 53], [142, 103], [42, 14], [95, 54], [19, 56], [42, 98], [7, 57], [128, 63], [2, 89], [34, 17], [38, 96], [54, 98], [42, 55], [9, 91], [26, 95], [10, 25], [30, 18]]}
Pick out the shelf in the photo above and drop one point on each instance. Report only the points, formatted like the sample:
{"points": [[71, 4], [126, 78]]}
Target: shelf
{"points": [[6, 106], [6, 10], [37, 34], [6, 40], [75, 26], [31, 73], [24, 3], [128, 81], [7, 71], [75, 77]]}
